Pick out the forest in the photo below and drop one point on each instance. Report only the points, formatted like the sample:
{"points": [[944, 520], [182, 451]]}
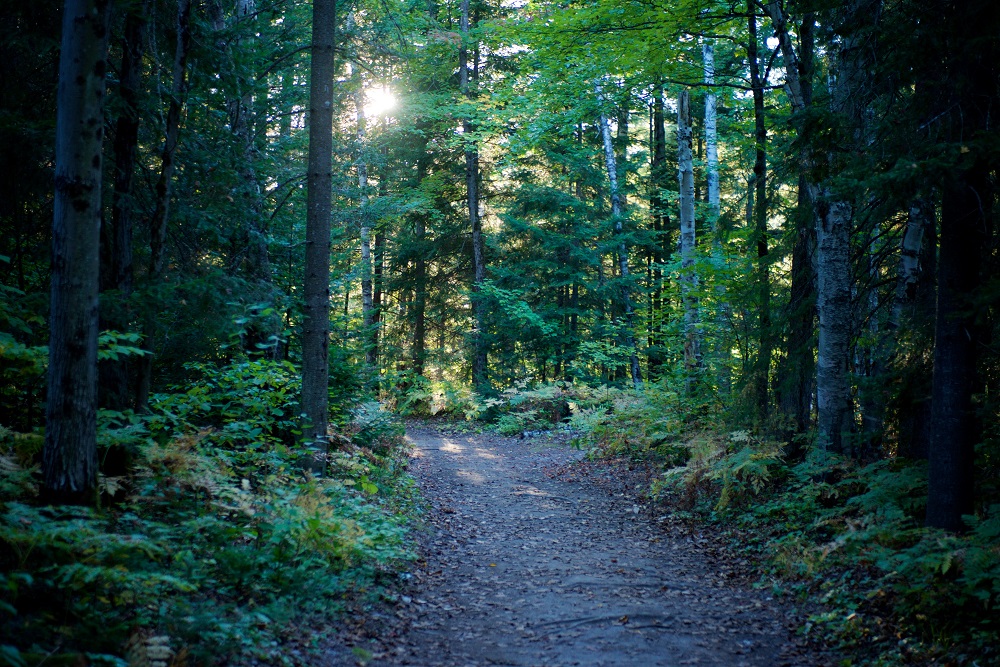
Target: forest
{"points": [[747, 245]]}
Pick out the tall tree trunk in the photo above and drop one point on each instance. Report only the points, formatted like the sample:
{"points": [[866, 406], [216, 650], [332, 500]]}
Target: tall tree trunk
{"points": [[954, 431], [663, 241], [378, 271], [833, 303], [616, 215], [711, 133], [377, 292], [833, 252], [420, 297], [918, 223], [916, 293], [480, 377], [367, 308], [689, 278], [762, 366], [796, 369], [161, 211], [316, 309], [116, 239], [69, 457], [964, 91]]}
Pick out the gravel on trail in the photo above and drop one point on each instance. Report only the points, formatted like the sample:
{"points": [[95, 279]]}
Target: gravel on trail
{"points": [[527, 561]]}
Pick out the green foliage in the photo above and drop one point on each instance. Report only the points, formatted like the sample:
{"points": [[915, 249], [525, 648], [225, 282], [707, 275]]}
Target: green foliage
{"points": [[414, 395], [539, 407], [112, 345], [846, 534], [215, 542]]}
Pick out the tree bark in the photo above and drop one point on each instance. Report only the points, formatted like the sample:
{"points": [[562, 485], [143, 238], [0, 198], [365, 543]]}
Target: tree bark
{"points": [[833, 303], [689, 278], [69, 457], [963, 91], [711, 134], [367, 307], [610, 163], [663, 237], [796, 376], [919, 300], [921, 217], [161, 211], [955, 430], [480, 374], [316, 310], [420, 296], [762, 366], [377, 292]]}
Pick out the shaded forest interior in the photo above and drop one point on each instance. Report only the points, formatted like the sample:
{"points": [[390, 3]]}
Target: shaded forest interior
{"points": [[750, 244]]}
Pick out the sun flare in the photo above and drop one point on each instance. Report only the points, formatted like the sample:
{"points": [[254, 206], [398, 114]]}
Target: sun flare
{"points": [[379, 101]]}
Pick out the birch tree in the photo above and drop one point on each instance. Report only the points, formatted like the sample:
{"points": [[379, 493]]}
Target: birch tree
{"points": [[689, 278], [835, 412], [610, 164], [711, 133]]}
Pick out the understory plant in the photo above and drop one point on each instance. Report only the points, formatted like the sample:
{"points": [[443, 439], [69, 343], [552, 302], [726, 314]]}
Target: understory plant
{"points": [[848, 534], [210, 543]]}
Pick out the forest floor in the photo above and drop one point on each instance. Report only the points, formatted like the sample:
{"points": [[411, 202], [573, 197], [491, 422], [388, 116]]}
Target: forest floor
{"points": [[533, 556]]}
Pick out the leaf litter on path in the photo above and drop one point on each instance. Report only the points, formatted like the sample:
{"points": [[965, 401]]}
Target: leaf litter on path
{"points": [[527, 561]]}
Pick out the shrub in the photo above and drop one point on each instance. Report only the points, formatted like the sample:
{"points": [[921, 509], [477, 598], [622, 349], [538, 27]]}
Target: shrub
{"points": [[214, 542]]}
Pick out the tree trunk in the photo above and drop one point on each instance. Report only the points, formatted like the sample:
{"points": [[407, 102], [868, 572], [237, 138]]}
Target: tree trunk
{"points": [[921, 218], [69, 457], [663, 240], [963, 89], [711, 133], [480, 377], [954, 423], [420, 297], [367, 307], [158, 223], [833, 251], [762, 366], [377, 292], [833, 303], [116, 238], [917, 280], [796, 370], [616, 215], [689, 278], [316, 309]]}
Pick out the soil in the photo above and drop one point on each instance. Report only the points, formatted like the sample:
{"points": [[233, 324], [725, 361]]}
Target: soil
{"points": [[533, 557]]}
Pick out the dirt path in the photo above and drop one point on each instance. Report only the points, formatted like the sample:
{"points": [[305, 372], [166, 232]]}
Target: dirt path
{"points": [[527, 568]]}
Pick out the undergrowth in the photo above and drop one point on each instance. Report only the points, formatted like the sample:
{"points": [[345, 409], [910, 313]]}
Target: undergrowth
{"points": [[849, 535], [210, 545]]}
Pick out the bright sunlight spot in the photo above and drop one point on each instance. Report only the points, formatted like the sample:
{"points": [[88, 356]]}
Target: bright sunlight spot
{"points": [[379, 101]]}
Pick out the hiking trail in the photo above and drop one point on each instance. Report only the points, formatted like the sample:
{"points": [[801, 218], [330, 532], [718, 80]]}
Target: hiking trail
{"points": [[530, 560]]}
